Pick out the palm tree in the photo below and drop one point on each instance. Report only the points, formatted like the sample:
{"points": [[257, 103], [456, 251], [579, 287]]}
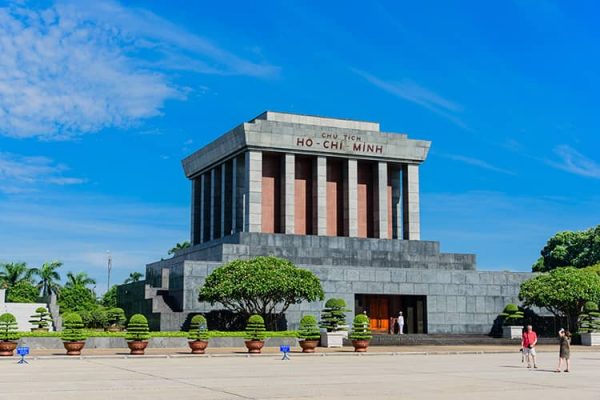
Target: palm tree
{"points": [[179, 246], [134, 277], [49, 278], [13, 273], [81, 279]]}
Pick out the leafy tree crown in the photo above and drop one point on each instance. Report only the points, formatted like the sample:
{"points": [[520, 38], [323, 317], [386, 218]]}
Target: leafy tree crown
{"points": [[512, 315], [198, 328], [577, 249], [41, 318], [262, 285], [333, 316]]}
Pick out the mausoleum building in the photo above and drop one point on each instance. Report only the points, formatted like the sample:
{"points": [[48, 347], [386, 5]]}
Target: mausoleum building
{"points": [[338, 197]]}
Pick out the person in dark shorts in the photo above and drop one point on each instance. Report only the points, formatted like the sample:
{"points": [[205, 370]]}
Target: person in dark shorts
{"points": [[565, 349]]}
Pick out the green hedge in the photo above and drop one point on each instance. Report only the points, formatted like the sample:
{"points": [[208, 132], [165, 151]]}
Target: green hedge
{"points": [[212, 334]]}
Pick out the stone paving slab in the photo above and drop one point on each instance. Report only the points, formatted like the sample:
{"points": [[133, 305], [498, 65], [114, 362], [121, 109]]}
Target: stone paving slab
{"points": [[379, 376]]}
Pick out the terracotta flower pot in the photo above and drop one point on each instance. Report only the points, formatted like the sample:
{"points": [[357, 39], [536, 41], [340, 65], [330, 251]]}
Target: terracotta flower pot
{"points": [[360, 346], [137, 347], [254, 346], [74, 348], [198, 346], [308, 346], [7, 348]]}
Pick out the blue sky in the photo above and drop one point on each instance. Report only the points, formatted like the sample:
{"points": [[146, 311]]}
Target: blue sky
{"points": [[100, 102]]}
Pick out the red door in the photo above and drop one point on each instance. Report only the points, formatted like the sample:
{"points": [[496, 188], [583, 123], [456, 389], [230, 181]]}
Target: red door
{"points": [[378, 313]]}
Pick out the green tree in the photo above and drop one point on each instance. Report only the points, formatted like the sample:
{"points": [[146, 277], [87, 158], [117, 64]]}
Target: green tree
{"points": [[81, 279], [109, 299], [76, 298], [563, 292], [49, 279], [134, 277], [576, 249], [262, 285], [13, 273], [179, 246], [22, 292]]}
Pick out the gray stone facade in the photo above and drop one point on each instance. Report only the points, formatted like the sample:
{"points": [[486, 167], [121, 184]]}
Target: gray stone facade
{"points": [[374, 179]]}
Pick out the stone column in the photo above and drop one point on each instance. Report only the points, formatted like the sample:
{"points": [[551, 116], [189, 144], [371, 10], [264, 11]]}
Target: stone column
{"points": [[234, 193], [321, 196], [223, 194], [410, 200], [381, 197], [202, 205], [240, 190], [213, 177], [289, 195], [351, 198], [396, 202], [253, 206]]}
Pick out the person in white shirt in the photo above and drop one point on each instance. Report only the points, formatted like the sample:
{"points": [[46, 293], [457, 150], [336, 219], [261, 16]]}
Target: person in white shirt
{"points": [[400, 323]]}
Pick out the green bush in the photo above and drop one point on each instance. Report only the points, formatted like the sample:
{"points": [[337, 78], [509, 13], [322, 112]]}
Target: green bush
{"points": [[137, 329], [255, 329], [72, 328], [116, 316], [589, 320], [198, 328], [8, 327], [333, 316], [309, 329], [41, 318], [22, 292], [361, 330], [512, 315]]}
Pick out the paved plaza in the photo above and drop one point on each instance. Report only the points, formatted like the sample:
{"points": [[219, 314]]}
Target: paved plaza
{"points": [[334, 376]]}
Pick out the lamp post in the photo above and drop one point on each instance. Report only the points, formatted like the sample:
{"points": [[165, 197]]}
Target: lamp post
{"points": [[109, 265]]}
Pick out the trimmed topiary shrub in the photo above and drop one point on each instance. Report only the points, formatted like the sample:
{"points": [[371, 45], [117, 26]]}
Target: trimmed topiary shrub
{"points": [[512, 315], [309, 329], [8, 327], [589, 320], [255, 329], [41, 319], [198, 328], [137, 329], [116, 317], [333, 316], [72, 328], [361, 330]]}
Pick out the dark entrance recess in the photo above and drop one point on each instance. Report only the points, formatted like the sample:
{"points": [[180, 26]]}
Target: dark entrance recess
{"points": [[382, 310]]}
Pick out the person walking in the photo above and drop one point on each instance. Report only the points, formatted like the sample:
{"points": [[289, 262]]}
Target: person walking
{"points": [[528, 343], [565, 349], [400, 323]]}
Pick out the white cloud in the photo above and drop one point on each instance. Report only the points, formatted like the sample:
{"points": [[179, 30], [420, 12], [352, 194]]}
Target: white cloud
{"points": [[24, 174], [574, 162], [78, 67], [478, 163], [417, 94]]}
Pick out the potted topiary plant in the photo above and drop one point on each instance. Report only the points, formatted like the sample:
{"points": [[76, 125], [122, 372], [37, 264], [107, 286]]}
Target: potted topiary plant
{"points": [[361, 333], [512, 326], [198, 334], [589, 324], [72, 333], [41, 320], [8, 334], [333, 320], [116, 319], [137, 334], [309, 331], [255, 334]]}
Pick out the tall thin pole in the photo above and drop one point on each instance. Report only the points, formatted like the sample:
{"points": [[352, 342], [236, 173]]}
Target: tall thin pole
{"points": [[109, 268]]}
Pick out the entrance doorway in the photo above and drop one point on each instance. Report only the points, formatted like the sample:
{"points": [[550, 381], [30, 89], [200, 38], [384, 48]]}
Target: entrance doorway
{"points": [[383, 310]]}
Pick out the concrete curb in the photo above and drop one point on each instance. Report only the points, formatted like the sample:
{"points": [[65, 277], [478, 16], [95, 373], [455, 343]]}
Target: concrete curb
{"points": [[266, 355]]}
